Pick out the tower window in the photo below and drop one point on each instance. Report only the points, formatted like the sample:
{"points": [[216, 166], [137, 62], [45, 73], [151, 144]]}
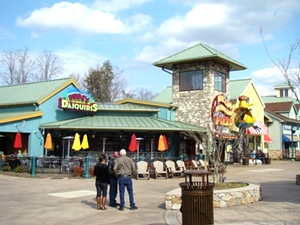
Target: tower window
{"points": [[191, 80], [219, 81]]}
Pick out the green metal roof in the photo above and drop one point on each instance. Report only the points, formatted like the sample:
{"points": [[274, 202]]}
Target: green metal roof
{"points": [[236, 87], [199, 52], [107, 122], [281, 85], [274, 99], [147, 103], [114, 107], [14, 116], [165, 96], [29, 93]]}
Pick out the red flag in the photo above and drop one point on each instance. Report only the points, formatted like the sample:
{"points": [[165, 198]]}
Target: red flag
{"points": [[165, 142], [18, 141], [133, 144]]}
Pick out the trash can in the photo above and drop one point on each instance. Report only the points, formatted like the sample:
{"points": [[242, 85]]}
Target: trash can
{"points": [[268, 160], [246, 161], [197, 199]]}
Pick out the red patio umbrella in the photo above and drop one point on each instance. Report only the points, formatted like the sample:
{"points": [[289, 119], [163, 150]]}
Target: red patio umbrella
{"points": [[165, 142], [18, 141], [133, 144]]}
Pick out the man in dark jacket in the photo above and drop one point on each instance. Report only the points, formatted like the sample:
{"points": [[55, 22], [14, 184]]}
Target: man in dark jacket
{"points": [[113, 189]]}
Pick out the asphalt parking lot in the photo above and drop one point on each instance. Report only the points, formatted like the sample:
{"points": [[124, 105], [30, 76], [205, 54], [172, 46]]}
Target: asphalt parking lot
{"points": [[72, 201]]}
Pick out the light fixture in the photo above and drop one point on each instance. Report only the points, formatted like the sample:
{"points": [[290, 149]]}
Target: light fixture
{"points": [[39, 137], [17, 125]]}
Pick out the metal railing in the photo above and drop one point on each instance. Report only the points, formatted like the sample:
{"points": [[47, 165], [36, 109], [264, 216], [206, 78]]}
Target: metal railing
{"points": [[44, 164]]}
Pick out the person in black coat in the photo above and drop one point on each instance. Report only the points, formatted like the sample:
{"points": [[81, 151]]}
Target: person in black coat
{"points": [[102, 180], [113, 188]]}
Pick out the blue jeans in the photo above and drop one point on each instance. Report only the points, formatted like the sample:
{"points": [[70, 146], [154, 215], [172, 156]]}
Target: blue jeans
{"points": [[113, 191], [125, 181]]}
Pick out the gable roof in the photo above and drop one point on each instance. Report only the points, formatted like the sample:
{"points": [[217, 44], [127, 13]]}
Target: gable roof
{"points": [[165, 96], [283, 85], [274, 98], [196, 53], [144, 102], [30, 93], [14, 116], [237, 87], [280, 117], [279, 106]]}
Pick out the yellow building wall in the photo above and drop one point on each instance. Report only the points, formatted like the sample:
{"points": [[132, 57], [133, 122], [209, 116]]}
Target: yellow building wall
{"points": [[258, 106], [257, 109]]}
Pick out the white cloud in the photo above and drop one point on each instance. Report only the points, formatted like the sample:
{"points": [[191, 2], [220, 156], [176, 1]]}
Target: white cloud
{"points": [[78, 61], [220, 24], [78, 17], [265, 79]]}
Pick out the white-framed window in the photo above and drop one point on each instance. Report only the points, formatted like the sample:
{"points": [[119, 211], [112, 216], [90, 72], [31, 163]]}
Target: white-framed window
{"points": [[284, 92], [191, 80]]}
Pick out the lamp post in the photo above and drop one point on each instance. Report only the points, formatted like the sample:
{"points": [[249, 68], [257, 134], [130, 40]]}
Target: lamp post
{"points": [[138, 148], [294, 128]]}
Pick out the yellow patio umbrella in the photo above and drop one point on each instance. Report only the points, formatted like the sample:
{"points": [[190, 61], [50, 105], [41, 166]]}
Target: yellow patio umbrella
{"points": [[76, 143], [48, 142], [85, 143]]}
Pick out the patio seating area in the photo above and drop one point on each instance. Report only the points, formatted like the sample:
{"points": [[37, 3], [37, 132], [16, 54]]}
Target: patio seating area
{"points": [[148, 168]]}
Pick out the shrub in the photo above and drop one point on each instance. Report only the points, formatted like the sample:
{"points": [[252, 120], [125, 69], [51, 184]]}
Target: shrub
{"points": [[6, 168], [77, 171], [19, 169], [92, 171]]}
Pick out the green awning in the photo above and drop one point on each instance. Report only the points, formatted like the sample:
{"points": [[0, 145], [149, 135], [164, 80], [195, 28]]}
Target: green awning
{"points": [[135, 123]]}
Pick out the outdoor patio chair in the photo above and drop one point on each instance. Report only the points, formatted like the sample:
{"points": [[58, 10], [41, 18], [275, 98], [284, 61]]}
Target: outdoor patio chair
{"points": [[142, 169], [159, 169], [181, 165], [171, 167], [195, 165], [203, 164]]}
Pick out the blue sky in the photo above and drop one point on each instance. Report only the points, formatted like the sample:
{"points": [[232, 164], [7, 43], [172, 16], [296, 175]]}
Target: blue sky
{"points": [[133, 34]]}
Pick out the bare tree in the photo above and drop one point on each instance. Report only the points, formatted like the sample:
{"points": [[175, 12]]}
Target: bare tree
{"points": [[214, 144], [17, 66], [48, 66], [9, 71], [289, 70], [144, 94], [26, 67]]}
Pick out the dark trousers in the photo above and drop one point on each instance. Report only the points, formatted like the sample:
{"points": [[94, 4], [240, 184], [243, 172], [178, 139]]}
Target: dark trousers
{"points": [[101, 189], [125, 181], [113, 191]]}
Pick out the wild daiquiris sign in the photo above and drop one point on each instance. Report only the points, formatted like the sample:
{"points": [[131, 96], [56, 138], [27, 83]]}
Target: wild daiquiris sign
{"points": [[77, 101]]}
